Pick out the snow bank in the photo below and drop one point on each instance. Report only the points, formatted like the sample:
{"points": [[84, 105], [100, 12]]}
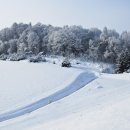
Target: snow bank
{"points": [[22, 82]]}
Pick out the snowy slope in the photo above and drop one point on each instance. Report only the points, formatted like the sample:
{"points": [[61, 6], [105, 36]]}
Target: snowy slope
{"points": [[22, 82], [102, 104], [77, 84]]}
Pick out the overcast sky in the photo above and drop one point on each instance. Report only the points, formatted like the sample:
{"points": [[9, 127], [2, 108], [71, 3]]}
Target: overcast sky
{"points": [[115, 14]]}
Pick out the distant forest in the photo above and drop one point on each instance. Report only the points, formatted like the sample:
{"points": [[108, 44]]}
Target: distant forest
{"points": [[68, 41]]}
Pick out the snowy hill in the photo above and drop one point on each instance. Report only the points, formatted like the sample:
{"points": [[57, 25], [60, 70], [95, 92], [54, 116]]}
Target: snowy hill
{"points": [[80, 98]]}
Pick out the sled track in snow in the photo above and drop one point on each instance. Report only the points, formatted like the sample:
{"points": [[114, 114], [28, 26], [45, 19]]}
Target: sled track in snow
{"points": [[78, 83]]}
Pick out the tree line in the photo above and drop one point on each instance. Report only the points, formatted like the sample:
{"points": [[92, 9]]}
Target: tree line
{"points": [[70, 41]]}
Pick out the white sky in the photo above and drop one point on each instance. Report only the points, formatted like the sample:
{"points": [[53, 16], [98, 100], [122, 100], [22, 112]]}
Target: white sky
{"points": [[114, 14]]}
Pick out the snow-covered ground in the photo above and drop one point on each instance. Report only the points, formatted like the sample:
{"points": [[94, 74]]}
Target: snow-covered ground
{"points": [[22, 82], [101, 103]]}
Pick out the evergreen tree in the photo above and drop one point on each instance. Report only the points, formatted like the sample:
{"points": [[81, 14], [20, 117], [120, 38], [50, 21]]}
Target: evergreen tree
{"points": [[123, 62]]}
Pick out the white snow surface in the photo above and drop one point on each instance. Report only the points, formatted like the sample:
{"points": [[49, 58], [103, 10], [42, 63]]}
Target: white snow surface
{"points": [[22, 82], [102, 104]]}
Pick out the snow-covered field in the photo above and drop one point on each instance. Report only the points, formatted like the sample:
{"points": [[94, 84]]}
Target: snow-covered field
{"points": [[77, 98]]}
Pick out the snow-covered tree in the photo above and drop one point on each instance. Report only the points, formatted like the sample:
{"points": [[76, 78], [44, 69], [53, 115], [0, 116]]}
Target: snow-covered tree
{"points": [[33, 42], [3, 48], [123, 62], [12, 46]]}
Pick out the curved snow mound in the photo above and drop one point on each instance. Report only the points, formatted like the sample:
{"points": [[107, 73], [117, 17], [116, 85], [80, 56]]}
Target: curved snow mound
{"points": [[22, 83], [80, 79]]}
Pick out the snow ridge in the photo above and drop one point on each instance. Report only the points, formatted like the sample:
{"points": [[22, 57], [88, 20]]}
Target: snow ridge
{"points": [[83, 79]]}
